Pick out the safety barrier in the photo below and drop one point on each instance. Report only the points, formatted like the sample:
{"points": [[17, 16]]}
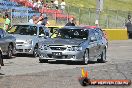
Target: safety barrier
{"points": [[116, 34]]}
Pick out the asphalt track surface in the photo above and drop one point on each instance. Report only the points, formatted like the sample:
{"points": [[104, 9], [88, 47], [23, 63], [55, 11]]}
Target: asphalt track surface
{"points": [[26, 72]]}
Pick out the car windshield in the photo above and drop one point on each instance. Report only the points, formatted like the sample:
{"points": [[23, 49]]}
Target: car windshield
{"points": [[23, 30], [70, 34]]}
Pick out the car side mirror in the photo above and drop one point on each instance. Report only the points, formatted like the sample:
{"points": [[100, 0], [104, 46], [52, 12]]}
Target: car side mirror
{"points": [[92, 39]]}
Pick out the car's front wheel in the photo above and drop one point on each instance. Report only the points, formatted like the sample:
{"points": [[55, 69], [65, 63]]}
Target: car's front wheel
{"points": [[86, 57], [10, 51], [1, 60]]}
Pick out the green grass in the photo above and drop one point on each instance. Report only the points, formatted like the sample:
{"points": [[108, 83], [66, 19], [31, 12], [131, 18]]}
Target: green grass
{"points": [[108, 4], [113, 15]]}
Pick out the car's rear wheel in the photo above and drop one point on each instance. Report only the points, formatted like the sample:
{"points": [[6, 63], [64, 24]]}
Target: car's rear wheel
{"points": [[1, 60], [10, 51], [86, 57], [35, 52], [103, 57], [43, 61]]}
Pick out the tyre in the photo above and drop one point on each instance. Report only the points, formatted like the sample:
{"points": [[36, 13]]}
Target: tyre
{"points": [[10, 51], [86, 57], [35, 52], [43, 61], [1, 60], [103, 57]]}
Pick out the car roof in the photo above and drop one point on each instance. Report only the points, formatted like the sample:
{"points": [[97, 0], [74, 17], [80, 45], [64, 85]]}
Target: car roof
{"points": [[79, 27], [91, 27], [29, 24], [72, 27]]}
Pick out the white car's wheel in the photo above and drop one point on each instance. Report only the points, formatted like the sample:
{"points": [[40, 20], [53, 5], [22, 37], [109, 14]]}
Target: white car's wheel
{"points": [[86, 57], [35, 52], [10, 51], [1, 60]]}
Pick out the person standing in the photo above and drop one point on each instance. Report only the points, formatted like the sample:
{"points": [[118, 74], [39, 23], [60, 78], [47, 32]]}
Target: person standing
{"points": [[56, 3], [7, 23], [128, 25], [34, 18], [63, 4], [71, 22]]}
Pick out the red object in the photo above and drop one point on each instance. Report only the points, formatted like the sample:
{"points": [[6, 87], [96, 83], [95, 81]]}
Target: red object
{"points": [[93, 27]]}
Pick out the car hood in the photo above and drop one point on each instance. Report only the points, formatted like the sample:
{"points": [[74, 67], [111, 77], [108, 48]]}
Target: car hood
{"points": [[23, 37], [59, 41]]}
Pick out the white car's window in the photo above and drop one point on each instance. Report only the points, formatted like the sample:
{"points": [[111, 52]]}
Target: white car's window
{"points": [[23, 30]]}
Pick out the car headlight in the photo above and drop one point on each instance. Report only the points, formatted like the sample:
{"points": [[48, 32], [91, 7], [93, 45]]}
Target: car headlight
{"points": [[74, 48], [28, 42]]}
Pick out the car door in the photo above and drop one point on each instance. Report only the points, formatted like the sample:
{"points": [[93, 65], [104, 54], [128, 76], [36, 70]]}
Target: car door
{"points": [[92, 44], [3, 41], [99, 35], [41, 34]]}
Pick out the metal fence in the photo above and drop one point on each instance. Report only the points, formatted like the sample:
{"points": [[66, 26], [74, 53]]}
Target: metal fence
{"points": [[107, 18], [84, 16]]}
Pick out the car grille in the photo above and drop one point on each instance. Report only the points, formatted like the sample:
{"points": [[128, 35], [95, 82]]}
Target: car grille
{"points": [[58, 48], [58, 57], [19, 42], [19, 50], [27, 50]]}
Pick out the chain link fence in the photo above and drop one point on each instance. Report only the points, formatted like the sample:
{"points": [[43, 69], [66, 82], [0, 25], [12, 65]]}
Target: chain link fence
{"points": [[107, 18], [83, 16]]}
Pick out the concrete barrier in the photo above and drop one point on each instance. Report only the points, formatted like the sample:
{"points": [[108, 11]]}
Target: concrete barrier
{"points": [[116, 34]]}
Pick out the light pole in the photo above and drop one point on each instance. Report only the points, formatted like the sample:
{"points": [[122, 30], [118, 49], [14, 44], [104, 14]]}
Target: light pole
{"points": [[99, 8]]}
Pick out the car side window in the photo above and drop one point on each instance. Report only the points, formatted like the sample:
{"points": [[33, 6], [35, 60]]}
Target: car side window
{"points": [[41, 31], [98, 34], [92, 35], [1, 33]]}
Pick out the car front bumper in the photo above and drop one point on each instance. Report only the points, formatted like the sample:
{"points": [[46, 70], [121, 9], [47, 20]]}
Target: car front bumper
{"points": [[27, 49], [65, 55]]}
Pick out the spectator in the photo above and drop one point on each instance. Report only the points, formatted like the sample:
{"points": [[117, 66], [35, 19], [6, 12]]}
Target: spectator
{"points": [[40, 19], [39, 4], [56, 4], [30, 0], [63, 4], [129, 28], [46, 5], [45, 21], [128, 25], [7, 23], [31, 21], [71, 22], [34, 3], [51, 5]]}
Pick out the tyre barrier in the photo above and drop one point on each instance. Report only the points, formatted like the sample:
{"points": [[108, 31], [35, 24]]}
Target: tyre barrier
{"points": [[116, 34]]}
